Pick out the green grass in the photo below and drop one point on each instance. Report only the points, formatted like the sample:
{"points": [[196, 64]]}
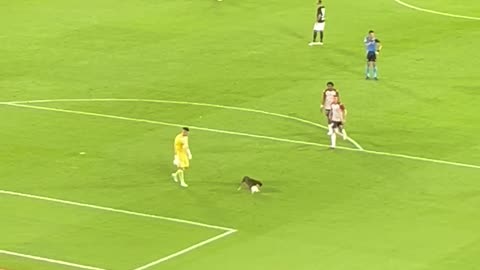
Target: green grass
{"points": [[319, 209]]}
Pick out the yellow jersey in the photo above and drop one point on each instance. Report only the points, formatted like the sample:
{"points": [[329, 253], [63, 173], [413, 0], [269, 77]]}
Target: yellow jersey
{"points": [[181, 144]]}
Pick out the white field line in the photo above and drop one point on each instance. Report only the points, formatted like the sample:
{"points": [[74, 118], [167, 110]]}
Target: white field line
{"points": [[36, 258], [437, 12], [109, 209], [178, 125], [438, 161], [458, 164], [187, 103], [181, 252]]}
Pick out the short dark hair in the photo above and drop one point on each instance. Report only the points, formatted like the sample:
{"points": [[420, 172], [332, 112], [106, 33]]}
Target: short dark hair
{"points": [[330, 83], [371, 31], [319, 1], [186, 129]]}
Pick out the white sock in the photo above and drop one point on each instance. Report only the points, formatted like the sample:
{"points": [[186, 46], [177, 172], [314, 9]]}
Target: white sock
{"points": [[344, 133], [333, 138], [330, 128]]}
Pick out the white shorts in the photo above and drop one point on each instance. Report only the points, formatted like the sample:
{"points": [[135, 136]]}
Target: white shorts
{"points": [[319, 26]]}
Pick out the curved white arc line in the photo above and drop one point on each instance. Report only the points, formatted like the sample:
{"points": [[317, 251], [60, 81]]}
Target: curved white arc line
{"points": [[186, 103], [437, 12], [179, 125]]}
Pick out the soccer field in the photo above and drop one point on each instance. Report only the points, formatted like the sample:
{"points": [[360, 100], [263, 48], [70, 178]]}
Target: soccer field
{"points": [[92, 94]]}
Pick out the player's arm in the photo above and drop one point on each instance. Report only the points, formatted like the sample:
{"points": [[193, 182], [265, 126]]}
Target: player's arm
{"points": [[186, 148], [323, 100], [379, 45], [344, 113]]}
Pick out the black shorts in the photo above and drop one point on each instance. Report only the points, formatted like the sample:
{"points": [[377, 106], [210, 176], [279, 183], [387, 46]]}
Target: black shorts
{"points": [[371, 56], [327, 112], [338, 125]]}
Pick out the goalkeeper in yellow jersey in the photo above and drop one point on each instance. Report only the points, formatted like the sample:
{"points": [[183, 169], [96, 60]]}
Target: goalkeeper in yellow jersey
{"points": [[182, 156]]}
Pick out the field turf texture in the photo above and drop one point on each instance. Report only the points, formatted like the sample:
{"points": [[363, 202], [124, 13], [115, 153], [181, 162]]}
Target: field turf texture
{"points": [[319, 209]]}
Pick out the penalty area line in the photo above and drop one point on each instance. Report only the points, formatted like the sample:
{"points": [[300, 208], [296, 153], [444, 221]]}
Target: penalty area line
{"points": [[43, 259], [226, 231], [115, 210], [183, 251], [226, 107], [458, 164], [179, 125]]}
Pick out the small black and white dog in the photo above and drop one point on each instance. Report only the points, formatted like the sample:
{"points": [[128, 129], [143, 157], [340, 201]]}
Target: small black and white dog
{"points": [[250, 183]]}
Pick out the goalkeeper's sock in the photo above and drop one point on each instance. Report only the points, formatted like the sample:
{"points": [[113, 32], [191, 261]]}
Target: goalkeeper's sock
{"points": [[181, 177], [174, 175], [321, 36]]}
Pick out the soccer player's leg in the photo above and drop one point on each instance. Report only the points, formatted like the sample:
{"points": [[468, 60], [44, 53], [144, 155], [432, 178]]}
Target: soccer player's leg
{"points": [[184, 164], [320, 29], [176, 162], [367, 71], [375, 75], [333, 136], [330, 124], [341, 131]]}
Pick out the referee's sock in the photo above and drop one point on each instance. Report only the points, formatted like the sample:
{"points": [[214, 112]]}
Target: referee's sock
{"points": [[368, 71], [375, 72]]}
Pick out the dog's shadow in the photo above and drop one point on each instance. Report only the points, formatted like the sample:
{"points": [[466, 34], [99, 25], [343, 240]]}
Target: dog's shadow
{"points": [[219, 186]]}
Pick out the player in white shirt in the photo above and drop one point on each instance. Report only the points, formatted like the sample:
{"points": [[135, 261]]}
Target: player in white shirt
{"points": [[338, 117], [328, 94]]}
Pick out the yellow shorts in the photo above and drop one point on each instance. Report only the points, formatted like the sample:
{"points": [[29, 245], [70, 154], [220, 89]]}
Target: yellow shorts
{"points": [[181, 160]]}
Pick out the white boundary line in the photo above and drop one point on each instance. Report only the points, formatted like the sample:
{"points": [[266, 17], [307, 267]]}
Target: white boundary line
{"points": [[437, 12], [226, 231], [179, 125], [109, 209], [185, 250], [438, 161], [36, 258], [184, 103]]}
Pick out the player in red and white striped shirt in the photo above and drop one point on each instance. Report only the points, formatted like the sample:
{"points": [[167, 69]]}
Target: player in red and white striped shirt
{"points": [[338, 117]]}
